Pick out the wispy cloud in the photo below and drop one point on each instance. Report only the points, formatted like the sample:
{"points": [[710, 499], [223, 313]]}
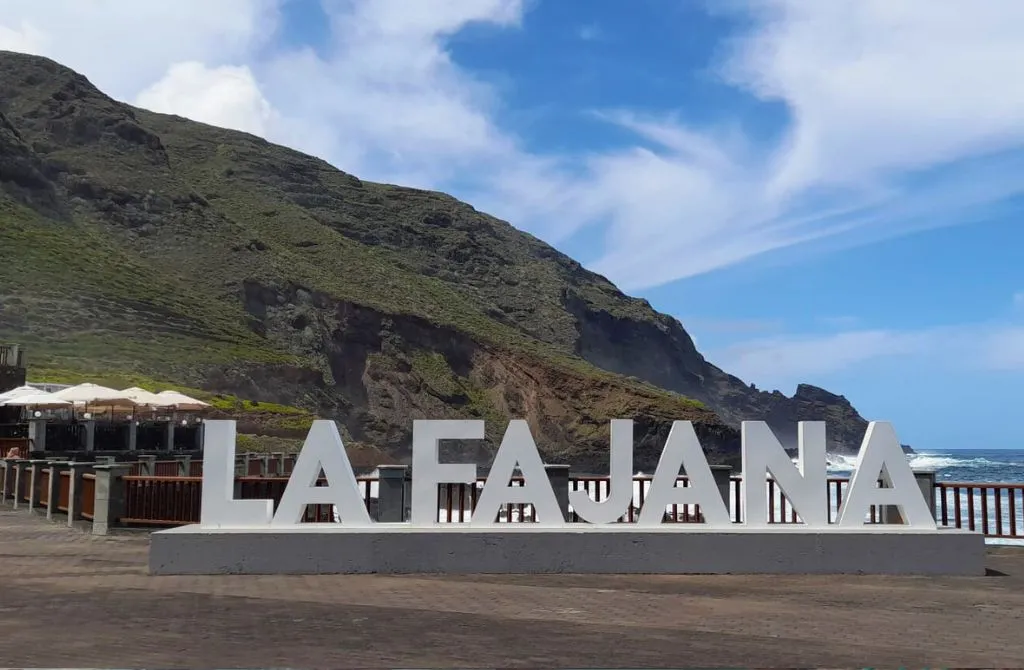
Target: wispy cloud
{"points": [[889, 103], [784, 360], [589, 32], [840, 322]]}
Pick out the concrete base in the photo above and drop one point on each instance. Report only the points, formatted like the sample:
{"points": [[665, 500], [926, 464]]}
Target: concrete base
{"points": [[519, 549]]}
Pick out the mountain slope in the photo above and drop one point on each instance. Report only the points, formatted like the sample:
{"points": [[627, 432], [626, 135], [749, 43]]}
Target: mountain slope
{"points": [[148, 244]]}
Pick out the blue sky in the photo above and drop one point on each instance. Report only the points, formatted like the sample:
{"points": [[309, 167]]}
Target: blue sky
{"points": [[820, 192]]}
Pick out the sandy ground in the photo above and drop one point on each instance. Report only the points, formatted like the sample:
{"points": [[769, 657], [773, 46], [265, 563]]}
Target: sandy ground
{"points": [[68, 599]]}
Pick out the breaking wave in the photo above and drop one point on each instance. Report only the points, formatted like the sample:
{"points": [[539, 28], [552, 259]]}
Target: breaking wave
{"points": [[845, 463], [949, 461]]}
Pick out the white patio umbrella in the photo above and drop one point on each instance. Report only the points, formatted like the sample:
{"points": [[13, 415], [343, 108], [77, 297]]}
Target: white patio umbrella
{"points": [[37, 400], [141, 396], [94, 394], [14, 393], [180, 401]]}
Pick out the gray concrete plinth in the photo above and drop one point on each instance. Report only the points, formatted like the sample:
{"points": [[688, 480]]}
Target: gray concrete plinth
{"points": [[401, 549]]}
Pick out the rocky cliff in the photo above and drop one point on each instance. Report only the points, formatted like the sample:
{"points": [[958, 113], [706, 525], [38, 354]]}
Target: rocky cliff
{"points": [[157, 248]]}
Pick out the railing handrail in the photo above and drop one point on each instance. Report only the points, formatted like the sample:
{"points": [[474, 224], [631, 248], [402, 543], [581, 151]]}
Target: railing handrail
{"points": [[1015, 486]]}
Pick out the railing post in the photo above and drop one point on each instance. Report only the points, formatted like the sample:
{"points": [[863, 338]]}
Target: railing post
{"points": [[558, 477], [249, 458], [723, 480], [5, 483], [19, 480], [278, 458], [133, 435], [34, 483], [76, 469], [169, 436], [407, 495], [890, 514], [264, 465], [37, 434], [53, 492], [926, 480], [110, 493], [184, 465], [391, 493], [90, 435], [148, 462]]}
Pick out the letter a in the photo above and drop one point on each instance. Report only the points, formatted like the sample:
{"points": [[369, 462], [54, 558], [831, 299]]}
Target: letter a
{"points": [[323, 449], [517, 448], [881, 457], [683, 450]]}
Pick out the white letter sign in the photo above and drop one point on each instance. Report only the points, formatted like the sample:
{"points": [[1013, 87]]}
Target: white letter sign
{"points": [[427, 473], [517, 448], [219, 507], [323, 449], [683, 450], [881, 457], [620, 480], [805, 486]]}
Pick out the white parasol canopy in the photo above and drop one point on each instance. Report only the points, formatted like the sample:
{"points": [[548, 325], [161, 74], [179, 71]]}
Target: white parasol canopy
{"points": [[141, 396], [14, 393], [39, 400], [96, 395], [180, 401]]}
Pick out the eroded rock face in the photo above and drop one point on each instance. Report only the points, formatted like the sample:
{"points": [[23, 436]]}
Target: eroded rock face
{"points": [[658, 349], [384, 371]]}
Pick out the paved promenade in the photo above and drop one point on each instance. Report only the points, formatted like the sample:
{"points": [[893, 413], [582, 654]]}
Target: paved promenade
{"points": [[68, 599]]}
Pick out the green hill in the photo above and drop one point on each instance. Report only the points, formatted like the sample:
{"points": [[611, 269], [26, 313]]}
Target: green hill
{"points": [[144, 247]]}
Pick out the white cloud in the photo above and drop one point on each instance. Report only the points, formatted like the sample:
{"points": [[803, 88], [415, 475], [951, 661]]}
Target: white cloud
{"points": [[1004, 350], [781, 361], [124, 46], [225, 96], [386, 101], [589, 32], [806, 357], [878, 90]]}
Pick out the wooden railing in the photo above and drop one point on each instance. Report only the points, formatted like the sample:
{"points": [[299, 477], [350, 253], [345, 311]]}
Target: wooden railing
{"points": [[44, 487], [64, 492], [995, 509], [88, 495], [176, 501]]}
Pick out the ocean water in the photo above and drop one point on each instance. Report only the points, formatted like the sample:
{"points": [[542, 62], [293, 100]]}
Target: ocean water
{"points": [[988, 466], [969, 466]]}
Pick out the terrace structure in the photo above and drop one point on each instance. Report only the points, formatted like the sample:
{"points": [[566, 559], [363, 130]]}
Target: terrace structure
{"points": [[12, 375], [12, 367]]}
